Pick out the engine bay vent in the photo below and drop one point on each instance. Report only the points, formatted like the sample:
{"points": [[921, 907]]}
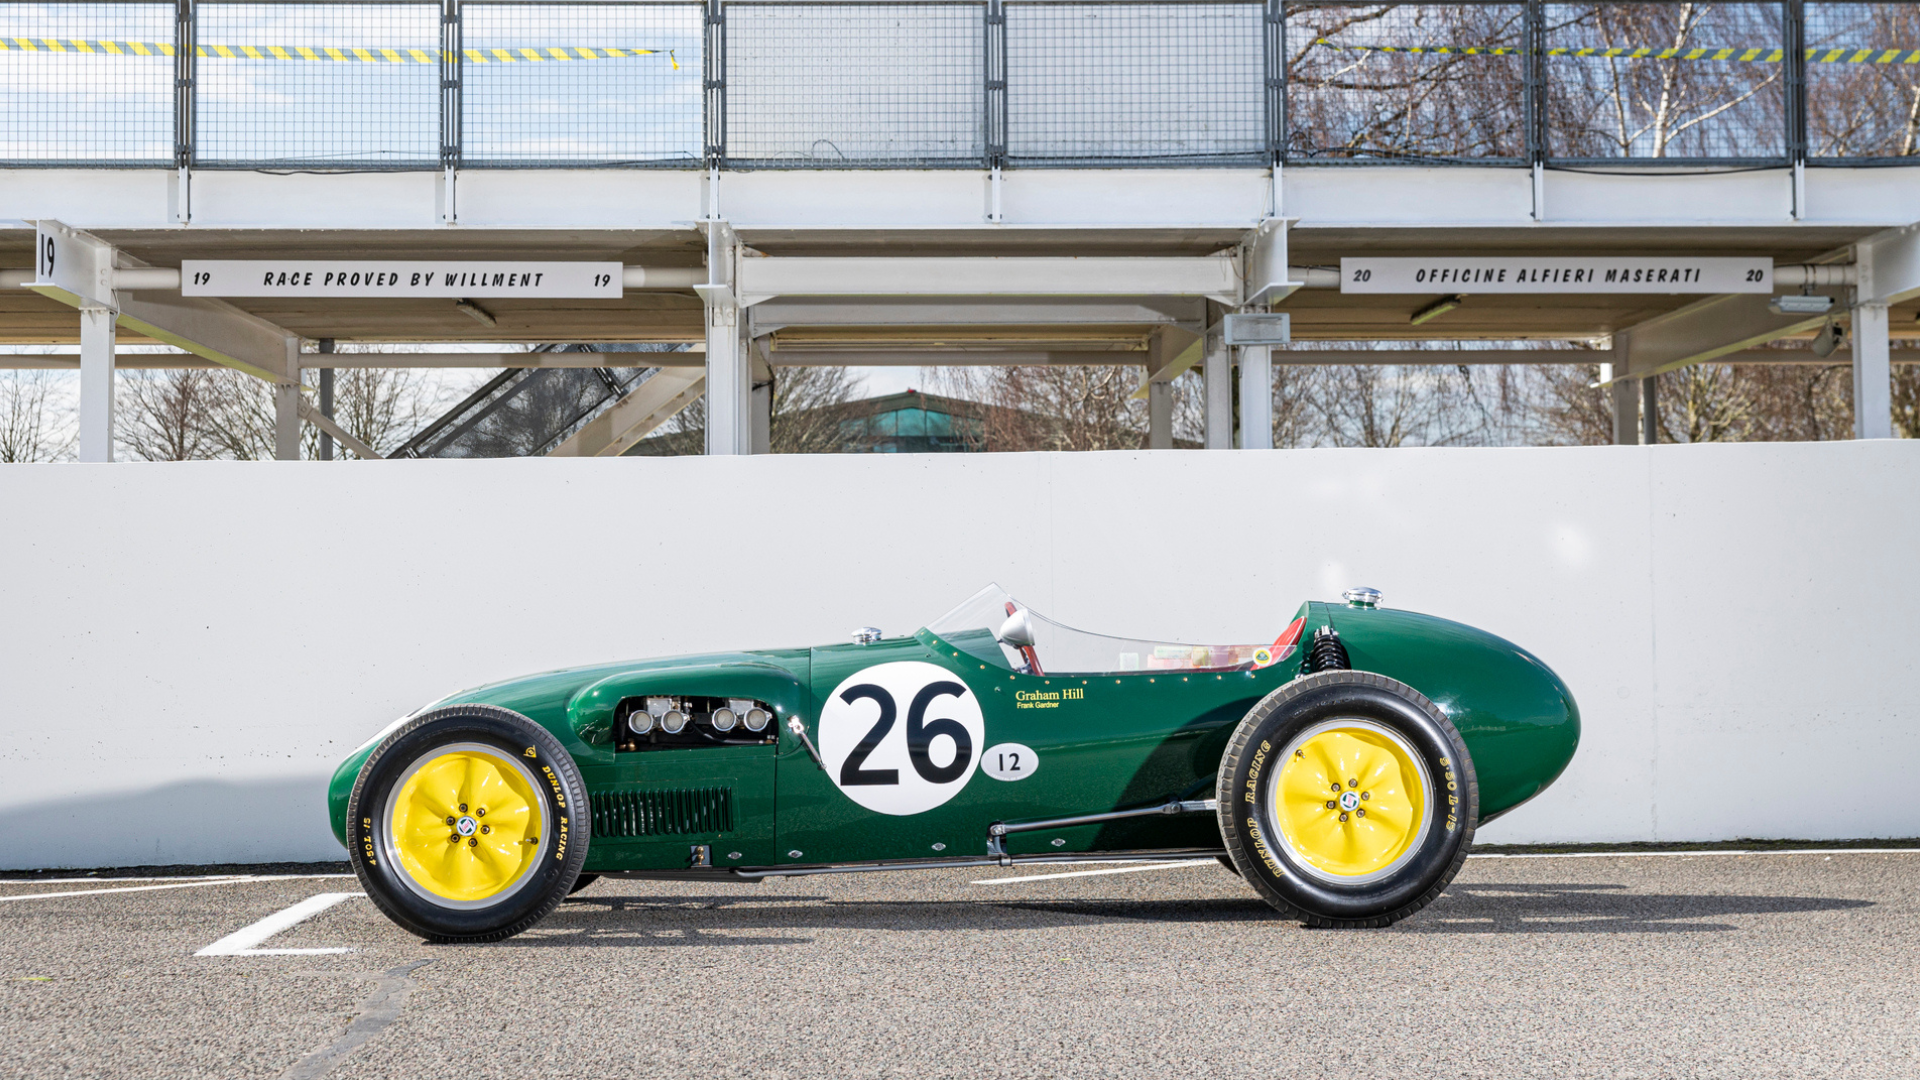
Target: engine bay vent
{"points": [[1327, 654], [661, 812], [666, 722]]}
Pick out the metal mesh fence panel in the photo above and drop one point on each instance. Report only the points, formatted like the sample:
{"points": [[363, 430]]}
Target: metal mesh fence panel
{"points": [[318, 85], [1863, 81], [1405, 81], [1135, 83], [1710, 87], [856, 84], [525, 412], [86, 84], [599, 84]]}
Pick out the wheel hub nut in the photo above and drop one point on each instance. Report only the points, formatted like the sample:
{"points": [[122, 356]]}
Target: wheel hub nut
{"points": [[1343, 816]]}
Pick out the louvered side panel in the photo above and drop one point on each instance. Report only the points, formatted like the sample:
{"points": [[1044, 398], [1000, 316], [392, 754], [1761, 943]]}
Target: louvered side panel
{"points": [[662, 812]]}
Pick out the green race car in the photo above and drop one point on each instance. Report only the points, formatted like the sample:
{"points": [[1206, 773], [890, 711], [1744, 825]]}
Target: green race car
{"points": [[1341, 770]]}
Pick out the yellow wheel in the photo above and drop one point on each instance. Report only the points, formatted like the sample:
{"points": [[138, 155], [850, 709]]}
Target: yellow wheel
{"points": [[1347, 799], [465, 824], [1350, 800]]}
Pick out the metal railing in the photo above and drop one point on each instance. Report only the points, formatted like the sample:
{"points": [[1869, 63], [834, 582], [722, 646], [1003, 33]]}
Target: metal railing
{"points": [[422, 84]]}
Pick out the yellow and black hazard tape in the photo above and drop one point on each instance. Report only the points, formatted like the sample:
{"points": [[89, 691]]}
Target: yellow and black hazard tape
{"points": [[514, 55], [1765, 56]]}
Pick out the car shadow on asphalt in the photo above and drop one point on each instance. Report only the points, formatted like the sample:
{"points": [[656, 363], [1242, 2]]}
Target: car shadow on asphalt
{"points": [[1480, 908], [1504, 909]]}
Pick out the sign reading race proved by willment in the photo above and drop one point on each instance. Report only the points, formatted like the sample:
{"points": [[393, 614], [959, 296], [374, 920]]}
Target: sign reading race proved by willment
{"points": [[1581, 274], [400, 279]]}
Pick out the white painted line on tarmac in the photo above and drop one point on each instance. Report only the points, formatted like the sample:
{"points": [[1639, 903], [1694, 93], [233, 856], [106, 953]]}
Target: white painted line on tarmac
{"points": [[98, 880], [1691, 854], [1090, 873], [177, 885], [241, 942]]}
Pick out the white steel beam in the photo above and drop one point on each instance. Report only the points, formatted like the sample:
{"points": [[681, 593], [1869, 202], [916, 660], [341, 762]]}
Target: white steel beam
{"points": [[1213, 276], [96, 383], [655, 401], [779, 314], [1256, 397], [77, 268], [312, 415], [1709, 329], [1888, 268], [1903, 351]]}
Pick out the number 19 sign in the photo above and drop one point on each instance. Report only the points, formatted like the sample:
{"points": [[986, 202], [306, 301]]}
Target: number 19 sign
{"points": [[359, 278]]}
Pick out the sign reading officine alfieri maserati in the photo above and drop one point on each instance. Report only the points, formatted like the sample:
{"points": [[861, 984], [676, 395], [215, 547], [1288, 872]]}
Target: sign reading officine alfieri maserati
{"points": [[1578, 274], [399, 279]]}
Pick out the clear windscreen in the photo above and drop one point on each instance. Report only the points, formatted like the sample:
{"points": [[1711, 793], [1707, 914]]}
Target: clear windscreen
{"points": [[999, 629]]}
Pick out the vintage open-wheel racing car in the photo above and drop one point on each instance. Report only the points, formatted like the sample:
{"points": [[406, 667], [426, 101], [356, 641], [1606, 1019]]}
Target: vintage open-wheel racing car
{"points": [[1341, 770]]}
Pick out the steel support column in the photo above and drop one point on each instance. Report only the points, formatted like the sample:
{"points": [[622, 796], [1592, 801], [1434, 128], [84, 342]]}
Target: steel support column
{"points": [[1256, 397], [1626, 412], [729, 389], [1159, 415], [1649, 410], [97, 333], [326, 400], [1872, 373], [762, 407], [1218, 370], [286, 408]]}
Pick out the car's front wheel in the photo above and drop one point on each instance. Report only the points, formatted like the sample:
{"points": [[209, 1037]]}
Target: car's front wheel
{"points": [[468, 824], [1347, 799]]}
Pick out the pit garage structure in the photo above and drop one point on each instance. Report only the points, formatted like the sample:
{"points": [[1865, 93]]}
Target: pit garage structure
{"points": [[926, 182]]}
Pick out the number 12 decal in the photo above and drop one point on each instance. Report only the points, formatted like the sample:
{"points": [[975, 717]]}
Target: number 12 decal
{"points": [[896, 768], [1009, 761]]}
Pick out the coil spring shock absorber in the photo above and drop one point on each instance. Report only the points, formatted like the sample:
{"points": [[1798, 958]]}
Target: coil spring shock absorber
{"points": [[1327, 654]]}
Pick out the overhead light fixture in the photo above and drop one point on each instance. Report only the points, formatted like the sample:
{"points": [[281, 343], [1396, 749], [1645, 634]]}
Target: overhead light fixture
{"points": [[479, 313], [1437, 308], [1807, 304]]}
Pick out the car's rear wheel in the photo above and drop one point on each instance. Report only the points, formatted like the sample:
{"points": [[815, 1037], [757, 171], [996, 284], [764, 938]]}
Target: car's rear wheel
{"points": [[466, 824], [1347, 799]]}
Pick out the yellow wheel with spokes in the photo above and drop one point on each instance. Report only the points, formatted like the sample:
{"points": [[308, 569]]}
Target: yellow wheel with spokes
{"points": [[1347, 799], [1350, 800], [465, 824]]}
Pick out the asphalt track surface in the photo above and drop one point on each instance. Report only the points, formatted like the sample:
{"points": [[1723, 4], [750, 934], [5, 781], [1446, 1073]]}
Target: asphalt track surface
{"points": [[1673, 965]]}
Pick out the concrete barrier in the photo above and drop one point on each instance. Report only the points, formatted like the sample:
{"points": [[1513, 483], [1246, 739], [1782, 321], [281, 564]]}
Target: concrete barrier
{"points": [[188, 649]]}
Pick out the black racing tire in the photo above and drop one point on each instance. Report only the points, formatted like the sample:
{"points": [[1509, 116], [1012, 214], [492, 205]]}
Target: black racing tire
{"points": [[559, 856], [582, 882], [1266, 858]]}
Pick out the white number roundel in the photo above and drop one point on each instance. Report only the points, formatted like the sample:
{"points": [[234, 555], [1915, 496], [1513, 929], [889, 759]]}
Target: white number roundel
{"points": [[901, 738]]}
